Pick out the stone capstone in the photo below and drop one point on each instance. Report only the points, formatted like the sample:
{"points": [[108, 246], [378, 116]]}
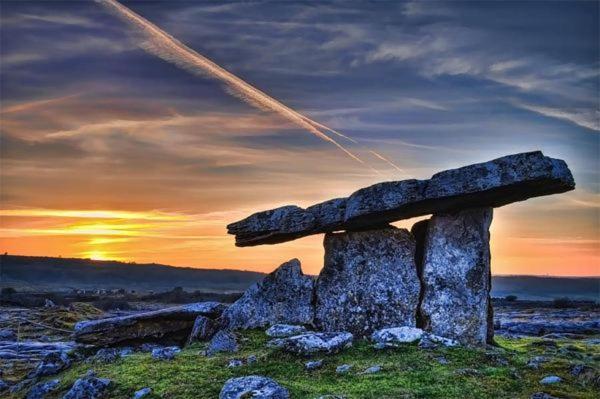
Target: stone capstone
{"points": [[253, 386], [173, 323], [284, 296], [456, 278], [311, 343], [369, 281], [494, 183]]}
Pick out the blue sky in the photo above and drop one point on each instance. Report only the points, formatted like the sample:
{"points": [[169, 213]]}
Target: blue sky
{"points": [[87, 113]]}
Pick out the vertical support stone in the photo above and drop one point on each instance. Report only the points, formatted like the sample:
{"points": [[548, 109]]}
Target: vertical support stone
{"points": [[456, 277], [369, 281]]}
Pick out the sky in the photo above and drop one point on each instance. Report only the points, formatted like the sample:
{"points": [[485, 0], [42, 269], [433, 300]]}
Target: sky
{"points": [[110, 152]]}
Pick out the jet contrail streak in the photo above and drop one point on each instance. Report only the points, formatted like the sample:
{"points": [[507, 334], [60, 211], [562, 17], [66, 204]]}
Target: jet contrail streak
{"points": [[385, 160], [170, 49]]}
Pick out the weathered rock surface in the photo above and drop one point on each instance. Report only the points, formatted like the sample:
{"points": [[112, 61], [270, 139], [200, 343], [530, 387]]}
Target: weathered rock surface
{"points": [[369, 281], [253, 386], [456, 277], [171, 323], [6, 334], [285, 330], [490, 184], [203, 329], [284, 296], [222, 341], [88, 387], [39, 391], [310, 343], [167, 353], [551, 379], [396, 335], [142, 393]]}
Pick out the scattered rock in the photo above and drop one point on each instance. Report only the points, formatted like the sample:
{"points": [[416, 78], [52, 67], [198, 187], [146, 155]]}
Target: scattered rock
{"points": [[222, 341], [392, 337], [284, 296], [536, 361], [427, 343], [3, 386], [369, 281], [551, 379], [39, 391], [586, 374], [142, 393], [53, 363], [456, 300], [442, 360], [233, 363], [166, 353], [149, 347], [313, 365], [173, 323], [372, 370], [285, 330], [88, 387], [109, 355], [203, 329], [251, 359], [253, 387], [48, 304], [6, 334], [310, 343], [343, 369], [542, 395], [541, 327], [447, 342]]}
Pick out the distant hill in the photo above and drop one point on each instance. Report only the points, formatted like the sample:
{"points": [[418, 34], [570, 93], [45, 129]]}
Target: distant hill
{"points": [[64, 273]]}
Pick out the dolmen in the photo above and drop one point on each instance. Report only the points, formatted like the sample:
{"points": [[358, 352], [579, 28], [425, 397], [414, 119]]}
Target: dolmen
{"points": [[435, 277]]}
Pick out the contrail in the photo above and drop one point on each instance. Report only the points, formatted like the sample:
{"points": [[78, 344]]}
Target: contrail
{"points": [[170, 49], [386, 160]]}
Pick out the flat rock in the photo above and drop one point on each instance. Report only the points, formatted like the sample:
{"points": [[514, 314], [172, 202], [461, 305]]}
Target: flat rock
{"points": [[142, 393], [284, 296], [456, 277], [313, 365], [285, 330], [310, 343], [551, 379], [391, 337], [253, 386], [494, 183], [369, 281], [174, 322]]}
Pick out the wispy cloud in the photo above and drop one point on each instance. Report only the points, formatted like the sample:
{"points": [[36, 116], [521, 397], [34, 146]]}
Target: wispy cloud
{"points": [[588, 118]]}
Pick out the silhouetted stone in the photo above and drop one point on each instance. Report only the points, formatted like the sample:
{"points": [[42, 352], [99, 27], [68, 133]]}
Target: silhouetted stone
{"points": [[456, 276], [284, 296], [490, 184], [175, 322], [369, 281]]}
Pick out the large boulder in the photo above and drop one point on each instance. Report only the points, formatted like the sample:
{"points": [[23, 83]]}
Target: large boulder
{"points": [[284, 296], [88, 387], [203, 329], [253, 386], [311, 343], [456, 277], [369, 281], [494, 183], [172, 324]]}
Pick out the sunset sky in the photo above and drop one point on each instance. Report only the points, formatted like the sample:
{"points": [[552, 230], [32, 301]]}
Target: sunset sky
{"points": [[109, 152]]}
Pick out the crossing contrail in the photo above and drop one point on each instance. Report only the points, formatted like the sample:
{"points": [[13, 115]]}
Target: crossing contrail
{"points": [[172, 50]]}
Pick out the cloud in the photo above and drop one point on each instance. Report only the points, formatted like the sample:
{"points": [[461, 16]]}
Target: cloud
{"points": [[587, 118]]}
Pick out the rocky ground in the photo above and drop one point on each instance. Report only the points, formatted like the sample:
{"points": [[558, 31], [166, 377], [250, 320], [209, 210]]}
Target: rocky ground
{"points": [[540, 349]]}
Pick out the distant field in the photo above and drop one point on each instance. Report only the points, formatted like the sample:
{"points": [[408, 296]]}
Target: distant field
{"points": [[37, 272]]}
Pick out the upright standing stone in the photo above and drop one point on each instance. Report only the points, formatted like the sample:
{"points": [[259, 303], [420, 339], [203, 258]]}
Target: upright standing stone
{"points": [[456, 276], [284, 296], [369, 281]]}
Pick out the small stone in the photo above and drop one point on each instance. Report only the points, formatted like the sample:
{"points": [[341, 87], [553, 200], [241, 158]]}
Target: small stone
{"points": [[468, 372], [166, 353], [391, 337], [551, 379], [39, 391], [106, 355], [542, 395], [53, 363], [6, 334], [142, 393], [251, 359], [442, 360], [148, 347], [536, 361], [253, 387], [307, 344], [343, 369], [88, 387], [233, 363], [313, 365], [372, 370], [222, 341], [48, 303], [285, 330], [447, 342]]}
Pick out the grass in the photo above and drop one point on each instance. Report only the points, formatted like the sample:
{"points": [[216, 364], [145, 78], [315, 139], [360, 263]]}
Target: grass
{"points": [[407, 372]]}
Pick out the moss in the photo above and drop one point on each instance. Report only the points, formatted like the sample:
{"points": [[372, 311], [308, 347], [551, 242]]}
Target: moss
{"points": [[407, 372]]}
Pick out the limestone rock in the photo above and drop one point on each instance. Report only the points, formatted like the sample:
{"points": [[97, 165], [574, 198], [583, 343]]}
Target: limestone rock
{"points": [[203, 329], [456, 277], [551, 379], [313, 365], [495, 183], [6, 334], [88, 387], [39, 391], [253, 387], [284, 296], [369, 281], [222, 341], [166, 353], [391, 337], [285, 330], [142, 393], [310, 343], [343, 368], [173, 323]]}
